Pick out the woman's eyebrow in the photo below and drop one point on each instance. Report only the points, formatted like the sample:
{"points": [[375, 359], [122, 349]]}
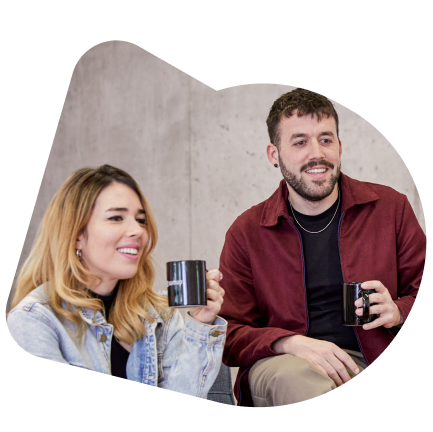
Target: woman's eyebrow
{"points": [[123, 209]]}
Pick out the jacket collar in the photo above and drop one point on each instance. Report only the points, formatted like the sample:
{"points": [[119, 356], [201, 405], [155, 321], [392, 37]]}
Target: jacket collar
{"points": [[88, 315], [40, 294], [354, 192]]}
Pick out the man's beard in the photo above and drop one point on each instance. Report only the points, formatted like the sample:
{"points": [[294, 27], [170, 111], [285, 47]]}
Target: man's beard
{"points": [[301, 187]]}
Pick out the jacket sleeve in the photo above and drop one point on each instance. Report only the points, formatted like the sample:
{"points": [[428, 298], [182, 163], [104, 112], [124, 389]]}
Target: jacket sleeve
{"points": [[248, 338], [192, 356], [33, 334], [411, 250]]}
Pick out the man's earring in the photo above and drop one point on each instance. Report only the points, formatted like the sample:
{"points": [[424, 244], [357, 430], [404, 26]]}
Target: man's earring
{"points": [[276, 165], [78, 253]]}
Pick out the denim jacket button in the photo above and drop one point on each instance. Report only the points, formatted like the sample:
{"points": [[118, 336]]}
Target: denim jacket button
{"points": [[103, 337], [216, 333]]}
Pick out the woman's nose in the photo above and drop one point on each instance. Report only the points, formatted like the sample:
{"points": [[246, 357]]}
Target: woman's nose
{"points": [[136, 229]]}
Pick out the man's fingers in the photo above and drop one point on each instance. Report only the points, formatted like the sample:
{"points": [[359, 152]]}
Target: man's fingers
{"points": [[346, 360], [373, 284], [326, 368], [340, 369]]}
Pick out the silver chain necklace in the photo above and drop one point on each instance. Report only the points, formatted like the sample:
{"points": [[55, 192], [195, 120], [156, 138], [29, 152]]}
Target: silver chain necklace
{"points": [[316, 232]]}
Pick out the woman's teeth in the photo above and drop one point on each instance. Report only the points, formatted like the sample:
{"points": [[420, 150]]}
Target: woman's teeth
{"points": [[130, 251]]}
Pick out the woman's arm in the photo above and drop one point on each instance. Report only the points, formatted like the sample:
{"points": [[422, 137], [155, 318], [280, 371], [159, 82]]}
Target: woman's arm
{"points": [[192, 358], [33, 333]]}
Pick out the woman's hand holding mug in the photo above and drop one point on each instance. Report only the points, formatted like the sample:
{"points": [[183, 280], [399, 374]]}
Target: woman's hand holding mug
{"points": [[215, 296]]}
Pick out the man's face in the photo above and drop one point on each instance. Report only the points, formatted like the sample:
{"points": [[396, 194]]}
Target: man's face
{"points": [[309, 155]]}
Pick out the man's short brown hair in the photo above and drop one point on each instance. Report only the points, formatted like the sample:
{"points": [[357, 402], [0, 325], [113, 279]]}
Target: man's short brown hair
{"points": [[304, 102]]}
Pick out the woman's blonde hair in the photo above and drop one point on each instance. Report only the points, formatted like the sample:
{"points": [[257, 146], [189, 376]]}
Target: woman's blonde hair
{"points": [[54, 263]]}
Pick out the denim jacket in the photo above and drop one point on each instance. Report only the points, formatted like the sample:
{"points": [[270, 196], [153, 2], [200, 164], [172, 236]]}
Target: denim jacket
{"points": [[173, 354]]}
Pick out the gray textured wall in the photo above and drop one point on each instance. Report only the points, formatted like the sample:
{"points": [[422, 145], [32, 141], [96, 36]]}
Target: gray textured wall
{"points": [[198, 155]]}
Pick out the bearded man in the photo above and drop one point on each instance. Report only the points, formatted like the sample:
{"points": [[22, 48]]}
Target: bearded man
{"points": [[284, 262]]}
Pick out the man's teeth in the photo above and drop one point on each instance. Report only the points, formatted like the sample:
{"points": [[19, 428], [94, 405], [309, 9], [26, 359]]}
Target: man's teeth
{"points": [[317, 170], [130, 251]]}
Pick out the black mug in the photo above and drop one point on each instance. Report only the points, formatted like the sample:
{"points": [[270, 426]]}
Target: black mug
{"points": [[186, 282], [351, 292]]}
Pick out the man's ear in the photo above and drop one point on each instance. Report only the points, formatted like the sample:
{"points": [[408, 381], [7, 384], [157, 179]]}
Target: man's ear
{"points": [[341, 148], [272, 153]]}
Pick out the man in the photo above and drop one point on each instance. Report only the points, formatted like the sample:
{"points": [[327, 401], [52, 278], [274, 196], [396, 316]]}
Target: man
{"points": [[285, 259]]}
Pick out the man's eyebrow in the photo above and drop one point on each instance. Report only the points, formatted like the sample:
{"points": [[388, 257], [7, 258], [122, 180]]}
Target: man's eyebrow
{"points": [[327, 133], [298, 135], [303, 135], [123, 209]]}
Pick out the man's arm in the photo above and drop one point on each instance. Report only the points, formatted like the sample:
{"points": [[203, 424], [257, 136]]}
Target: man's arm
{"points": [[247, 339], [411, 246]]}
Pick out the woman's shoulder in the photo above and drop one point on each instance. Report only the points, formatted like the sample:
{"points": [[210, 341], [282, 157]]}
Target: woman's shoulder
{"points": [[36, 301], [33, 320]]}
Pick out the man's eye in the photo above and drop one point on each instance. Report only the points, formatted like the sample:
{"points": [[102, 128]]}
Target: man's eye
{"points": [[299, 143], [141, 221], [116, 218]]}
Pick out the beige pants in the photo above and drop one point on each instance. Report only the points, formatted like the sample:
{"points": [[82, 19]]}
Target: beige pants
{"points": [[286, 379]]}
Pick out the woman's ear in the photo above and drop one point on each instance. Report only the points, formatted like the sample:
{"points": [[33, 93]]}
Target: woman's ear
{"points": [[80, 240]]}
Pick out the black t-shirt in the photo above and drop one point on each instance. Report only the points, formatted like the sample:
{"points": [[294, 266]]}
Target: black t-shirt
{"points": [[119, 355], [323, 277]]}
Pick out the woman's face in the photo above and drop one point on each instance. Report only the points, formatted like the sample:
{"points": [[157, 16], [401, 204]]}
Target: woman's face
{"points": [[113, 241]]}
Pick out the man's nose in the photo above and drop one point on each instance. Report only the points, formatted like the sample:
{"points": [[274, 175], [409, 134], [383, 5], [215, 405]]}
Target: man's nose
{"points": [[316, 150]]}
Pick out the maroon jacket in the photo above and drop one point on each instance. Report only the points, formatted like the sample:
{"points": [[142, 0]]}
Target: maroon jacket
{"points": [[262, 263]]}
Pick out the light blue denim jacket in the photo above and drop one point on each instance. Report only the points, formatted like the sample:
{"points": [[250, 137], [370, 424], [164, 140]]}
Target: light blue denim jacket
{"points": [[173, 354]]}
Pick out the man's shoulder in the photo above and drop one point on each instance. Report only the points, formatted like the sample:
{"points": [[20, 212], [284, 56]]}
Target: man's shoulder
{"points": [[378, 192], [266, 213], [254, 216]]}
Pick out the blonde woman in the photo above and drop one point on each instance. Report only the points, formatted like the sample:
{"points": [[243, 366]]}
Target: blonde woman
{"points": [[84, 296]]}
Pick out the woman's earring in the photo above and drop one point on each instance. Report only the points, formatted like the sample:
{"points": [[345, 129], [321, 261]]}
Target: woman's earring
{"points": [[78, 252], [276, 165]]}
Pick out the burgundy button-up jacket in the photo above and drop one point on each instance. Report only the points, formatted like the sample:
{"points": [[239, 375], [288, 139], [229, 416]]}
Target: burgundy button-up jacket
{"points": [[262, 263]]}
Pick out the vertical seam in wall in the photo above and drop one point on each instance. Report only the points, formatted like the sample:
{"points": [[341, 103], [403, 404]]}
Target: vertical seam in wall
{"points": [[190, 167]]}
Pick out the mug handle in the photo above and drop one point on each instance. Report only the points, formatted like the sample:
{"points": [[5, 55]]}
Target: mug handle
{"points": [[365, 306]]}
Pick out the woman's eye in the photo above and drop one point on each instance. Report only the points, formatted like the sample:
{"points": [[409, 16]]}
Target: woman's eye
{"points": [[141, 221], [116, 218]]}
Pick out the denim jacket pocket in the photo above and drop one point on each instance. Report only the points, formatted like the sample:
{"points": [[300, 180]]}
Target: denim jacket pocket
{"points": [[160, 368]]}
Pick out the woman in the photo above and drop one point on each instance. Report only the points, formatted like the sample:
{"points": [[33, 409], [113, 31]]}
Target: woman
{"points": [[84, 295]]}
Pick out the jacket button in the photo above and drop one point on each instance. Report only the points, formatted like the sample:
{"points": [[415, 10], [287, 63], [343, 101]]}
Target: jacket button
{"points": [[103, 337], [216, 333]]}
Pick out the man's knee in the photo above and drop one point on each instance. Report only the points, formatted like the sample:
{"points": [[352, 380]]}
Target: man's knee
{"points": [[287, 379]]}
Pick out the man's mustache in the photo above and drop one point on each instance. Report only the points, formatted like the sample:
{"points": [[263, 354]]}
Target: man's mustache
{"points": [[312, 164]]}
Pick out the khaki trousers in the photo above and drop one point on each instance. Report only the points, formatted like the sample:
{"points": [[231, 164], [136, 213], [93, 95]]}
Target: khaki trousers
{"points": [[286, 379]]}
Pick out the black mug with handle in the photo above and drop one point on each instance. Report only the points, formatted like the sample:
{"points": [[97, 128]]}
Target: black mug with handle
{"points": [[351, 292], [186, 282]]}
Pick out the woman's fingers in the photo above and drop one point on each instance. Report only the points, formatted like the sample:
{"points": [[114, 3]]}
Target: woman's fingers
{"points": [[215, 295], [214, 274]]}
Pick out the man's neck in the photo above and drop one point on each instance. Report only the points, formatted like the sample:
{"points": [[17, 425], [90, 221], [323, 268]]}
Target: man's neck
{"points": [[312, 208]]}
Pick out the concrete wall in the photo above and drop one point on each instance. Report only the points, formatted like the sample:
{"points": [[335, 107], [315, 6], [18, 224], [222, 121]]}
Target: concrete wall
{"points": [[198, 155]]}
